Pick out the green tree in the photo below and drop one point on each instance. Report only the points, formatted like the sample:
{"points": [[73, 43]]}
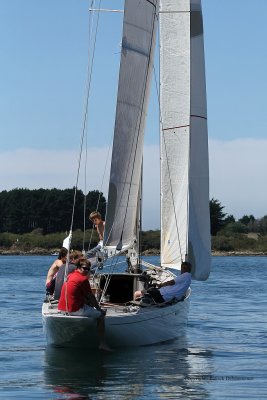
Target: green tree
{"points": [[232, 228], [262, 225], [216, 216], [23, 210], [95, 201], [246, 219], [229, 219], [150, 240]]}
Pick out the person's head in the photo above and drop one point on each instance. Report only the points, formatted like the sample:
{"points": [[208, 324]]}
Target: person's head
{"points": [[83, 266], [75, 256], [62, 255], [95, 217], [185, 267]]}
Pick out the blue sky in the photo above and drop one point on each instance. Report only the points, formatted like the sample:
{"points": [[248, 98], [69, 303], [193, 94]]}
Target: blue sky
{"points": [[43, 51]]}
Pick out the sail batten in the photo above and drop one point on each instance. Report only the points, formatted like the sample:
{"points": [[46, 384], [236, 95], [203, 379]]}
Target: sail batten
{"points": [[185, 221], [139, 27]]}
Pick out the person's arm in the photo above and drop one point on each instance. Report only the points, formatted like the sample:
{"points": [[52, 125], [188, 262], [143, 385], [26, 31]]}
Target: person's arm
{"points": [[92, 301], [168, 283], [52, 271], [89, 296]]}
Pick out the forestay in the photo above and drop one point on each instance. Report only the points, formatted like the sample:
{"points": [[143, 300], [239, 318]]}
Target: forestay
{"points": [[185, 220], [138, 42]]}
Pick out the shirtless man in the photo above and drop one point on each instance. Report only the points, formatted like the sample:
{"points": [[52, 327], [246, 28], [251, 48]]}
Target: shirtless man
{"points": [[96, 218], [51, 275]]}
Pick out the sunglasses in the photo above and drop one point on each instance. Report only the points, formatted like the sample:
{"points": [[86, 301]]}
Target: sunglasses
{"points": [[85, 268]]}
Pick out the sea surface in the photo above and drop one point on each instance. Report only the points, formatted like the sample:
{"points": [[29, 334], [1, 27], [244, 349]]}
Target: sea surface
{"points": [[222, 356]]}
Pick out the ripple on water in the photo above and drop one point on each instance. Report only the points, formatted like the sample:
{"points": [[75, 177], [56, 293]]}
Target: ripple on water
{"points": [[226, 337]]}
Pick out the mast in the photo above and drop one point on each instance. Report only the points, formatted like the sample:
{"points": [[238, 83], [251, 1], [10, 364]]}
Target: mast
{"points": [[185, 220]]}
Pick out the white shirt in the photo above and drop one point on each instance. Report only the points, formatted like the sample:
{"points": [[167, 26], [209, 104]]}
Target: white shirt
{"points": [[178, 290]]}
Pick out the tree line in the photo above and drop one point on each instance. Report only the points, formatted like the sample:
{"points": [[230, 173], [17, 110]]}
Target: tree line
{"points": [[222, 223], [44, 216], [48, 210]]}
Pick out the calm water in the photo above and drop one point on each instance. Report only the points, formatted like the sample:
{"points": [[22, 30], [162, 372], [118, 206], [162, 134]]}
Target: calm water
{"points": [[223, 355]]}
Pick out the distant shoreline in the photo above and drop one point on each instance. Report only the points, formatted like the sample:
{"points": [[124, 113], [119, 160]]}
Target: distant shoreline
{"points": [[151, 252]]}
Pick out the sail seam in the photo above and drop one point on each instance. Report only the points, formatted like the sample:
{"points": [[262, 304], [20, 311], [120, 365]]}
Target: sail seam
{"points": [[150, 2], [198, 116], [134, 49], [184, 126], [175, 127], [174, 12], [137, 106]]}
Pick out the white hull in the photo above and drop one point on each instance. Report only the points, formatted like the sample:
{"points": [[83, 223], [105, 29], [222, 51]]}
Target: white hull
{"points": [[139, 327]]}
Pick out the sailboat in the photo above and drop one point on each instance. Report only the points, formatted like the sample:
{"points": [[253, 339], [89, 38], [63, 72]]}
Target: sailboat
{"points": [[185, 222]]}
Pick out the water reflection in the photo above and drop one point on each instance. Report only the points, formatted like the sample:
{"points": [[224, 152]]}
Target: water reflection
{"points": [[164, 371]]}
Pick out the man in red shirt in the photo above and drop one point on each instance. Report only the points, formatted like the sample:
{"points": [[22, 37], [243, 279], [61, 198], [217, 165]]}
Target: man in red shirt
{"points": [[77, 299]]}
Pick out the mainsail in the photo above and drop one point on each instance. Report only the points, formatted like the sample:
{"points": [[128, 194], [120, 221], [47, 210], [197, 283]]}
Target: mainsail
{"points": [[185, 220], [138, 42]]}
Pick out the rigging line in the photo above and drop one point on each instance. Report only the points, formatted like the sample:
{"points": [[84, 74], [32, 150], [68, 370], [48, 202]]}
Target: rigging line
{"points": [[105, 10], [104, 173], [91, 17], [109, 277], [66, 282], [138, 136], [85, 195], [188, 175], [168, 166], [78, 172], [101, 187], [105, 168], [139, 219], [172, 195], [112, 266], [159, 138], [89, 72]]}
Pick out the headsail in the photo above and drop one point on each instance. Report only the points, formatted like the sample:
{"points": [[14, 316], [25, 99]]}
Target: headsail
{"points": [[185, 220], [139, 27]]}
